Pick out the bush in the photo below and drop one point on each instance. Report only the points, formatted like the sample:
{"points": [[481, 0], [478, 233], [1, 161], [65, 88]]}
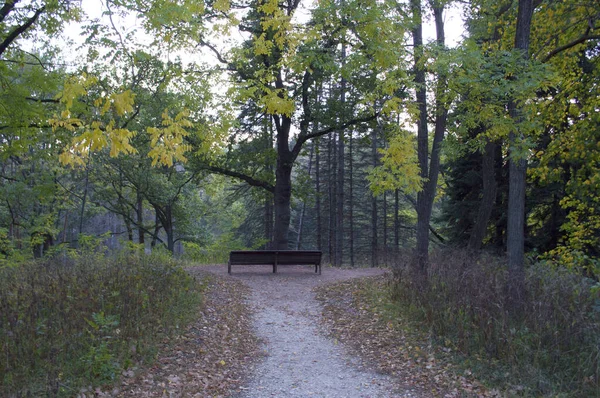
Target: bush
{"points": [[77, 320], [553, 345], [216, 252]]}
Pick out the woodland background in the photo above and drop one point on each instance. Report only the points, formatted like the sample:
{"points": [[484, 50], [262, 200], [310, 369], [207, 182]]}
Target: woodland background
{"points": [[197, 128]]}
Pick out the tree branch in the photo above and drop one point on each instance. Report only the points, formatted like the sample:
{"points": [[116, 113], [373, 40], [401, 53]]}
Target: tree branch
{"points": [[214, 50], [567, 46], [19, 30], [7, 8], [29, 126], [305, 137], [43, 100], [248, 179]]}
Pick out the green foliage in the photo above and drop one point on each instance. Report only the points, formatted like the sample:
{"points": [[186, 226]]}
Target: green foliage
{"points": [[486, 82], [216, 252], [399, 168], [79, 319], [552, 349]]}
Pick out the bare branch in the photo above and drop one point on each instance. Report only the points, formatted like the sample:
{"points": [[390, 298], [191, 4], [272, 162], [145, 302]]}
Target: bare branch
{"points": [[7, 8], [305, 137], [43, 100], [29, 126], [569, 45], [248, 179], [214, 50], [19, 30]]}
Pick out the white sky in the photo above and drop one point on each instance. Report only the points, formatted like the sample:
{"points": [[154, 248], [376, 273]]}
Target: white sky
{"points": [[94, 9]]}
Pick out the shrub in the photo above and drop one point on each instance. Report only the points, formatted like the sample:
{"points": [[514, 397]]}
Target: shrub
{"points": [[553, 345], [80, 319]]}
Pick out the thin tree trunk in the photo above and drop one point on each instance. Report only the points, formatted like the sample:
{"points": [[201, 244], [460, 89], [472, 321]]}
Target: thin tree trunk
{"points": [[85, 192], [351, 196], [385, 229], [517, 175], [339, 233], [374, 244], [303, 210], [318, 190], [169, 231], [268, 196], [487, 199], [501, 203], [65, 226], [396, 222], [330, 157], [140, 218], [156, 228], [128, 228]]}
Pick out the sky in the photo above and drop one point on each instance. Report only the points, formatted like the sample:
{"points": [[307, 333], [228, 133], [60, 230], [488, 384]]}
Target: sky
{"points": [[95, 8]]}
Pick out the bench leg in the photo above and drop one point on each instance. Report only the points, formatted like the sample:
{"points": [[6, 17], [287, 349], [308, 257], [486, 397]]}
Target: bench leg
{"points": [[275, 267], [229, 267]]}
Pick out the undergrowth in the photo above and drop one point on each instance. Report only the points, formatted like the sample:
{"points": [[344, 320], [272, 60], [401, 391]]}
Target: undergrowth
{"points": [[552, 347], [78, 320]]}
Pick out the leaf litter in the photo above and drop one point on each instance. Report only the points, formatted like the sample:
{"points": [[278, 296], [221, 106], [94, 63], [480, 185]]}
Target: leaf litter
{"points": [[218, 354], [212, 356], [393, 347]]}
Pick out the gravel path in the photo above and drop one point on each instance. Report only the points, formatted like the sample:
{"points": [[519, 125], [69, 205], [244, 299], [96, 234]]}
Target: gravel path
{"points": [[300, 361]]}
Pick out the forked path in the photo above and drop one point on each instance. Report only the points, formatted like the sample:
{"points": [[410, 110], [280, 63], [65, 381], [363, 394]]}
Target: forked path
{"points": [[300, 361]]}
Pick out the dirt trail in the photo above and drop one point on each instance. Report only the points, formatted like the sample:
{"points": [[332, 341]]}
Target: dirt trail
{"points": [[300, 361]]}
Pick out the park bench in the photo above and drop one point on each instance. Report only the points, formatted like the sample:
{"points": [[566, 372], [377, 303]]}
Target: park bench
{"points": [[275, 258]]}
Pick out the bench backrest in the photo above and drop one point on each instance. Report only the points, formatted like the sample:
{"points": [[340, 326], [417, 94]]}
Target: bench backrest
{"points": [[298, 257], [242, 257], [289, 257]]}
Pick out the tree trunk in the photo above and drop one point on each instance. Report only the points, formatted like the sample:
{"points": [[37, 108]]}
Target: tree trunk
{"points": [[501, 200], [85, 193], [283, 195], [396, 222], [487, 199], [429, 171], [140, 218], [128, 228], [517, 175], [422, 140], [339, 230], [330, 161], [268, 221], [385, 228], [374, 244], [351, 197], [167, 223], [65, 227], [156, 228], [303, 210], [318, 190]]}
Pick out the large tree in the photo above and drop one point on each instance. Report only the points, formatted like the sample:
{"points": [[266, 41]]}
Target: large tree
{"points": [[280, 67]]}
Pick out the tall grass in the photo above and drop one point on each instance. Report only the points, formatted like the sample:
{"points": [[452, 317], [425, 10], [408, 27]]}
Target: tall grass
{"points": [[79, 320], [551, 347]]}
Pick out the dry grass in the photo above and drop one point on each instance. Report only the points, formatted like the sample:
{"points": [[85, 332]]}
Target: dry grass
{"points": [[81, 320], [551, 347]]}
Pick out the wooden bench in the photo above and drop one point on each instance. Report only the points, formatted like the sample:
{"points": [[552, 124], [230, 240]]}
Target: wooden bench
{"points": [[275, 258]]}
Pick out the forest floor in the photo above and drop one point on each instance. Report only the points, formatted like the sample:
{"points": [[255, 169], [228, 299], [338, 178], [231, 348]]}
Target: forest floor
{"points": [[294, 334]]}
